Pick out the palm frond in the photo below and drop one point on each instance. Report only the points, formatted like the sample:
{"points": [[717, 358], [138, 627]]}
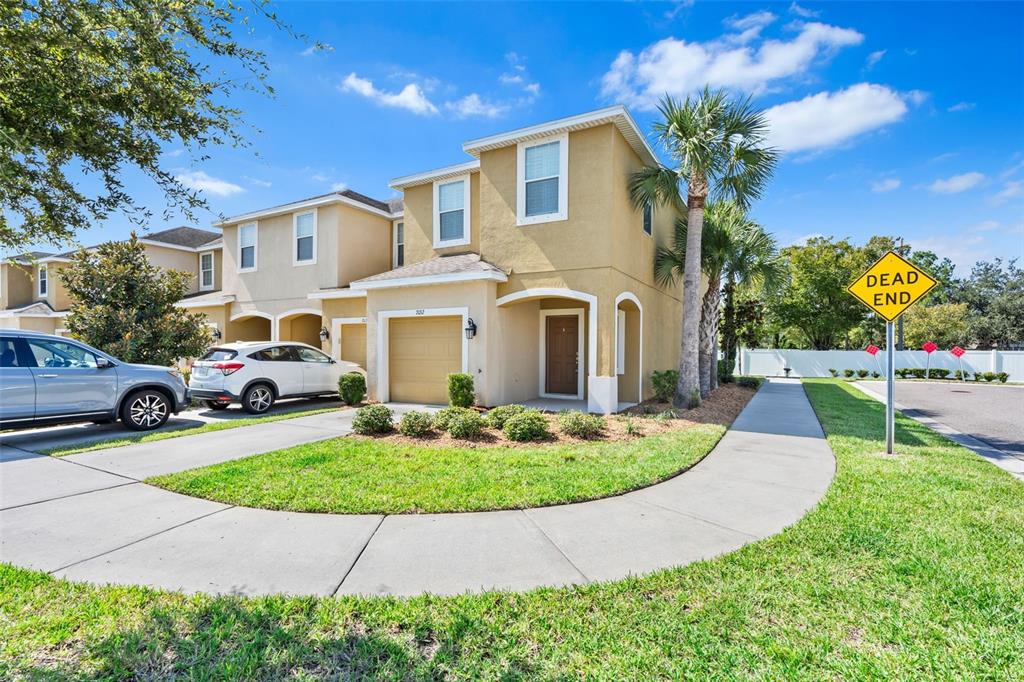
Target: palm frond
{"points": [[655, 187]]}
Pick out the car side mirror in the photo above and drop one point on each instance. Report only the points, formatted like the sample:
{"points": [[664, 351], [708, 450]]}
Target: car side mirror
{"points": [[103, 363], [333, 361]]}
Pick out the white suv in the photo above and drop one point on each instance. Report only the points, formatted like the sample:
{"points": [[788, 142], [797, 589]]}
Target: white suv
{"points": [[256, 374]]}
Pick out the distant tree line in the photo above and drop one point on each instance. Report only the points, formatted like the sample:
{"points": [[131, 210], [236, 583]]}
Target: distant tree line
{"points": [[813, 310]]}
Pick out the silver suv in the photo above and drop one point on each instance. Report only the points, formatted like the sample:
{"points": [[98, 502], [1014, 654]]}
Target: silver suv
{"points": [[46, 379]]}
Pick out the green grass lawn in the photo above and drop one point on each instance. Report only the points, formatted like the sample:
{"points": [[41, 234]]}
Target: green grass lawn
{"points": [[151, 436], [349, 475], [912, 567]]}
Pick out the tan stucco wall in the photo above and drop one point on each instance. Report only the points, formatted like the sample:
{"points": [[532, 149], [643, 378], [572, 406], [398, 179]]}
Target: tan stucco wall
{"points": [[248, 329], [628, 380], [16, 285], [301, 328], [56, 294], [364, 248], [419, 222], [176, 259], [344, 307]]}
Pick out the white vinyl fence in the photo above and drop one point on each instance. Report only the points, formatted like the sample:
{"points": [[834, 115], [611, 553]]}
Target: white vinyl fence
{"points": [[816, 363]]}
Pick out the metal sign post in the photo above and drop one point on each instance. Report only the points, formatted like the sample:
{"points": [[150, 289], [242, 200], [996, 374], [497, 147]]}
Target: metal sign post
{"points": [[890, 390]]}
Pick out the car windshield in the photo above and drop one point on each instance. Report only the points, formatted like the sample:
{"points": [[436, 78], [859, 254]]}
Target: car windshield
{"points": [[216, 354]]}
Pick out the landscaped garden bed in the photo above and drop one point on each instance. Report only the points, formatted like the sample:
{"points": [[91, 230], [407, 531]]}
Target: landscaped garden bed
{"points": [[439, 472]]}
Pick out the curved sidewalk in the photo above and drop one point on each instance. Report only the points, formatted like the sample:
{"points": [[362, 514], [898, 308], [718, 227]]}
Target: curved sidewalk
{"points": [[104, 526]]}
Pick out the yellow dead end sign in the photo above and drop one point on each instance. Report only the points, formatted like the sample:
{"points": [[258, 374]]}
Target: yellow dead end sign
{"points": [[891, 285]]}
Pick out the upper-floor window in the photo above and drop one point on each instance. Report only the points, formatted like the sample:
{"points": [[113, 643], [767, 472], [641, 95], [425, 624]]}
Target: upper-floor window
{"points": [[398, 245], [44, 281], [451, 212], [248, 238], [648, 223], [304, 229], [543, 180], [206, 271]]}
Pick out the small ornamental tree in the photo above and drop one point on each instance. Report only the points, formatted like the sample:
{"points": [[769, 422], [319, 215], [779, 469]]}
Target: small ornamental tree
{"points": [[124, 305]]}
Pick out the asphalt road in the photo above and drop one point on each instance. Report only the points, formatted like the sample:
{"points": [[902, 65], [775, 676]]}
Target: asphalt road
{"points": [[993, 413]]}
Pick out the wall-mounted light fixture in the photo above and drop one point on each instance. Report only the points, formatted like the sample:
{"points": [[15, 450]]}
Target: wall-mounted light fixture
{"points": [[470, 328], [324, 334], [215, 333]]}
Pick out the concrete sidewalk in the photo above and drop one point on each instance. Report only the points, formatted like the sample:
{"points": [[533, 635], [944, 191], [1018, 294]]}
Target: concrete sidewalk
{"points": [[86, 518]]}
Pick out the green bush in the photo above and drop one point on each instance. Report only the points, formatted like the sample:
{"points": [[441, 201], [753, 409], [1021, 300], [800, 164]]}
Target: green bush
{"points": [[958, 375], [351, 388], [917, 372], [875, 375], [862, 373], [848, 373], [460, 390], [726, 379], [499, 415], [724, 372], [632, 429], [580, 425], [833, 372], [665, 384], [467, 424], [938, 373], [526, 426], [978, 376], [415, 424], [901, 372], [989, 376], [445, 416], [1003, 377], [372, 419], [750, 382]]}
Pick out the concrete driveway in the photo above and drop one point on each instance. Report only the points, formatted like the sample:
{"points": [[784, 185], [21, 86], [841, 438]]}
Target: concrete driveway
{"points": [[89, 517]]}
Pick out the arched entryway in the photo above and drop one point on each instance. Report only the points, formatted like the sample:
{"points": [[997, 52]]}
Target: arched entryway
{"points": [[250, 326], [302, 326], [629, 318]]}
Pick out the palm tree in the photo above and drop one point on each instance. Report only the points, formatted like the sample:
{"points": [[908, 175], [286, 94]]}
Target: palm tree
{"points": [[717, 146], [734, 249]]}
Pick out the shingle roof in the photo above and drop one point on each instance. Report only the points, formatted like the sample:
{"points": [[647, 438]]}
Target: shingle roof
{"points": [[29, 256], [183, 236], [396, 204], [443, 265]]}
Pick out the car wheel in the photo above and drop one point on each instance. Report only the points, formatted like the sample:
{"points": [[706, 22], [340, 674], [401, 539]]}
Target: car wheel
{"points": [[257, 399], [215, 405], [145, 410]]}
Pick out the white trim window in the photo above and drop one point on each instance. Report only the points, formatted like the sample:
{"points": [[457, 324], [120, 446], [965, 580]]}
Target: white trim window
{"points": [[648, 219], [542, 180], [398, 244], [206, 266], [451, 212], [248, 245], [304, 238], [44, 281]]}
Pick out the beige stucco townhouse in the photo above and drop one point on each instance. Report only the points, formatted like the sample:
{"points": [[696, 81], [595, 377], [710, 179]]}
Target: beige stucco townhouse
{"points": [[33, 297]]}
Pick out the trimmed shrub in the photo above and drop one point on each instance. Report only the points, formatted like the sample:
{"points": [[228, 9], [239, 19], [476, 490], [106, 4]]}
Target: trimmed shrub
{"points": [[415, 424], [526, 426], [862, 373], [875, 375], [901, 372], [917, 372], [750, 382], [499, 415], [989, 376], [848, 373], [1003, 377], [460, 390], [351, 388], [445, 416], [833, 372], [466, 424], [664, 383], [724, 371], [938, 373], [726, 379], [580, 425], [373, 419]]}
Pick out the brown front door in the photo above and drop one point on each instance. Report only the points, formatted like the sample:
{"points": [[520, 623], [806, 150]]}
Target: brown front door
{"points": [[562, 349]]}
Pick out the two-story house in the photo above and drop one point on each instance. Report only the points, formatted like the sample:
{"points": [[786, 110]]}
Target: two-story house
{"points": [[529, 268], [33, 296], [287, 269]]}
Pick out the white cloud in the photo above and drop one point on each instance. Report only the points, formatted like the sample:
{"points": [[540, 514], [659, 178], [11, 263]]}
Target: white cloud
{"points": [[961, 106], [473, 105], [520, 78], [174, 153], [749, 26], [511, 78], [916, 97], [318, 177], [411, 97], [985, 226], [803, 11], [256, 181], [956, 183], [963, 250], [1011, 190], [829, 118], [678, 67], [885, 185], [677, 7], [200, 181], [874, 58], [800, 241], [339, 187]]}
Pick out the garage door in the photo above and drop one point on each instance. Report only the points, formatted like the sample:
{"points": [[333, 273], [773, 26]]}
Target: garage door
{"points": [[422, 352]]}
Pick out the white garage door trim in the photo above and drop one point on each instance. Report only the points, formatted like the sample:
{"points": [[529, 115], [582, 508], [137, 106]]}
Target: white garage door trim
{"points": [[336, 323], [383, 350]]}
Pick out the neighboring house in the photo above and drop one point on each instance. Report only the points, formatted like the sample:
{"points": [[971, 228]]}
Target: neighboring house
{"points": [[287, 271], [33, 296]]}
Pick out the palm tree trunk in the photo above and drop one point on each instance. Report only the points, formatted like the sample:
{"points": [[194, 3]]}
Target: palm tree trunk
{"points": [[688, 388], [708, 335]]}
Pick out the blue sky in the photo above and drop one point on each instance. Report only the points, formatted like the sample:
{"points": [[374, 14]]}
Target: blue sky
{"points": [[895, 118]]}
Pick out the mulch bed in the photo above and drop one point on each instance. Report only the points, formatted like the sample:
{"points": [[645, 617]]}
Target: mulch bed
{"points": [[646, 419]]}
